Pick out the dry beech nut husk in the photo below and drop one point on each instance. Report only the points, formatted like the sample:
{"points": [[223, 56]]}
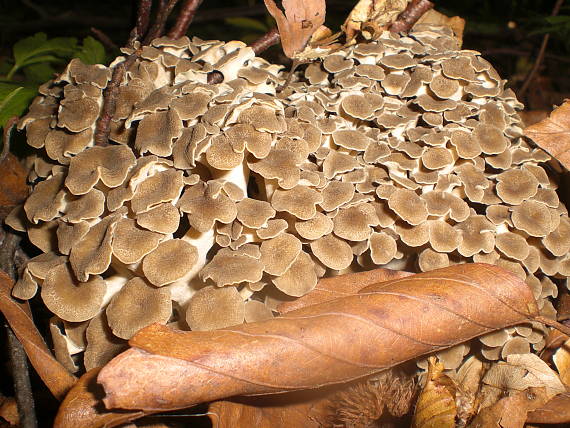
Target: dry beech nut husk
{"points": [[403, 152]]}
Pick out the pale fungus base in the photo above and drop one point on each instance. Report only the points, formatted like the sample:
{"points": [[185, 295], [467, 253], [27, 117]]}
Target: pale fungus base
{"points": [[214, 202]]}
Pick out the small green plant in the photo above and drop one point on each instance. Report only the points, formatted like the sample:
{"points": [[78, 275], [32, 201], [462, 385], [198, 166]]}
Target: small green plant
{"points": [[35, 60]]}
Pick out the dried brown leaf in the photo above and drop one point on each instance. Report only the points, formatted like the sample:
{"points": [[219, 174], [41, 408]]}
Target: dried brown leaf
{"points": [[300, 20], [561, 359], [9, 411], [379, 13], [468, 381], [55, 376], [328, 289], [436, 406], [456, 23], [553, 134], [334, 342], [555, 411], [13, 188], [511, 411], [82, 406]]}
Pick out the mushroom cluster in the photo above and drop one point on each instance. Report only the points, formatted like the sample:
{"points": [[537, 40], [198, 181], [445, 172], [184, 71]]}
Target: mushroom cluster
{"points": [[214, 202]]}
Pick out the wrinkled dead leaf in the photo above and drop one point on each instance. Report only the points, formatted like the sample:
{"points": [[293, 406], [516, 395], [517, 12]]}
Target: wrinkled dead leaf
{"points": [[333, 342], [456, 23], [468, 381], [436, 406], [561, 359], [556, 411], [376, 13], [13, 188], [300, 20], [82, 407], [55, 376], [511, 411], [328, 289], [553, 134], [9, 411]]}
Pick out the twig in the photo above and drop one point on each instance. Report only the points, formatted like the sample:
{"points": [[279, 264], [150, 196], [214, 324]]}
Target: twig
{"points": [[269, 39], [6, 137], [142, 21], [561, 327], [185, 17], [541, 52], [22, 384], [413, 12], [103, 38], [38, 9], [160, 21]]}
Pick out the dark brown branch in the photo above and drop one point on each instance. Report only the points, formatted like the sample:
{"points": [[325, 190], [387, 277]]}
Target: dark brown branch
{"points": [[269, 39], [141, 23], [6, 137], [103, 38], [539, 59], [407, 19], [157, 28], [185, 17]]}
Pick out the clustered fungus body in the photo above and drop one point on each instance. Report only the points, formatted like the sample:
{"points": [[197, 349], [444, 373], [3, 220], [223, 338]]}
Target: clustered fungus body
{"points": [[214, 202]]}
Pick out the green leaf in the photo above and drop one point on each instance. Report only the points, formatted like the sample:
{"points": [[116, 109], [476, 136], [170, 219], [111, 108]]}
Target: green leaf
{"points": [[39, 73], [38, 48], [91, 52], [14, 100], [247, 24]]}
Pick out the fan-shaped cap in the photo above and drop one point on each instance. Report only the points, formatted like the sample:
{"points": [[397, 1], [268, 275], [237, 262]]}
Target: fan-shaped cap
{"points": [[256, 142], [279, 253], [131, 243], [163, 218], [300, 201], [516, 185], [137, 305], [86, 207], [443, 237], [314, 228], [354, 223], [77, 115], [280, 164], [46, 200], [163, 186], [274, 227], [383, 248], [170, 261], [110, 164], [70, 300], [211, 308], [60, 145], [430, 260], [512, 245], [300, 278], [333, 252], [102, 345], [253, 213], [256, 311], [409, 206], [533, 218], [230, 267], [476, 236], [558, 242]]}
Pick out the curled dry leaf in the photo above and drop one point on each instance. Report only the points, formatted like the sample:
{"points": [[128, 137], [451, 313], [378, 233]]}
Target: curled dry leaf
{"points": [[13, 188], [333, 342], [82, 406], [556, 411], [300, 20], [553, 134], [381, 13], [331, 288], [561, 359], [54, 375], [436, 404]]}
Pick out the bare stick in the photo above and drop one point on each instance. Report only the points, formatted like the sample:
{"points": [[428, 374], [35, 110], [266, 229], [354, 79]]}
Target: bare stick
{"points": [[142, 21], [103, 38], [269, 39], [160, 21], [541, 52], [6, 137], [407, 19], [185, 17]]}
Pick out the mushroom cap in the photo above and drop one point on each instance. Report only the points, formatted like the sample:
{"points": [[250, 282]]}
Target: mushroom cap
{"points": [[300, 201], [333, 252], [137, 305], [254, 213], [71, 300], [279, 253], [408, 205], [230, 267], [131, 243], [256, 311], [102, 345], [212, 308], [300, 278], [169, 261]]}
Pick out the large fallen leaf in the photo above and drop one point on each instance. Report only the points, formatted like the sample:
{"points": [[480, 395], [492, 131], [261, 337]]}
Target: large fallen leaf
{"points": [[55, 376], [436, 406], [300, 20], [553, 134], [334, 342], [328, 289], [556, 411], [82, 406]]}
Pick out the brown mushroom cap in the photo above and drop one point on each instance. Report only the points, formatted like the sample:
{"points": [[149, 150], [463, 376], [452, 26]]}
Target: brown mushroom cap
{"points": [[253, 213], [300, 201], [300, 278], [26, 287], [137, 305], [516, 185], [163, 186], [92, 253], [512, 245], [314, 228], [230, 267], [335, 194], [163, 218], [279, 253], [476, 236], [533, 218], [170, 261], [383, 248], [256, 311], [110, 164], [408, 205], [131, 243], [102, 345], [443, 237], [86, 207], [157, 131], [354, 223], [211, 308], [280, 164], [333, 252], [558, 242], [60, 346], [430, 260], [47, 199], [70, 300], [274, 227]]}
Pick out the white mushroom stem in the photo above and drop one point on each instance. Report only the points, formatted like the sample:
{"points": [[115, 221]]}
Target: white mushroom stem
{"points": [[182, 290], [238, 175], [114, 285]]}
